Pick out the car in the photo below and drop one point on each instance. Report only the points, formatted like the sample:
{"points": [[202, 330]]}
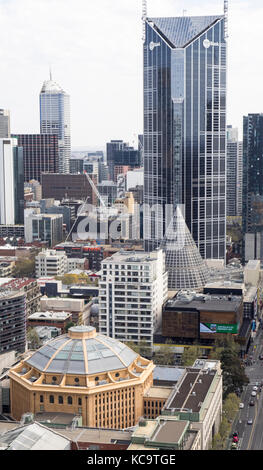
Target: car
{"points": [[251, 403], [255, 389], [261, 357], [234, 446], [253, 394], [241, 405], [250, 421]]}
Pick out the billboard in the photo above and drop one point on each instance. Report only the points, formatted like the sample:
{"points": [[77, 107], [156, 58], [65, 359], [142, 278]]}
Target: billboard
{"points": [[218, 328]]}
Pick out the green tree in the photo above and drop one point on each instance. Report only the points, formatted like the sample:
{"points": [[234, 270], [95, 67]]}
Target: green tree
{"points": [[69, 325], [25, 267], [190, 354], [231, 406], [33, 338], [164, 355]]}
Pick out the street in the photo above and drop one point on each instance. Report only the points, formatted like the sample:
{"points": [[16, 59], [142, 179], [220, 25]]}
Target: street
{"points": [[251, 435]]}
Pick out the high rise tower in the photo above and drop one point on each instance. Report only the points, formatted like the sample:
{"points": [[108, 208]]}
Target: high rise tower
{"points": [[252, 219], [55, 119], [185, 128]]}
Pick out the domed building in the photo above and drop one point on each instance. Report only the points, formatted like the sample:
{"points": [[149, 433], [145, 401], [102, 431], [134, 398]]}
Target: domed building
{"points": [[85, 374]]}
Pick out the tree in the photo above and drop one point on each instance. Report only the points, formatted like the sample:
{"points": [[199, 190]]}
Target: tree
{"points": [[69, 325], [33, 338], [190, 354], [231, 406], [227, 351], [25, 267], [164, 355]]}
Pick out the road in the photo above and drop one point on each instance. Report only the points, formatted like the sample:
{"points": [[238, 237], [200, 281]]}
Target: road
{"points": [[251, 435]]}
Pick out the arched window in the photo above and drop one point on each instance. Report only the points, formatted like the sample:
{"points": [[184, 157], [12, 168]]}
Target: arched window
{"points": [[60, 400], [69, 400], [51, 398]]}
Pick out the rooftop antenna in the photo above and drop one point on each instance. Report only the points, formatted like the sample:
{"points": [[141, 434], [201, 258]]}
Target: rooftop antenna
{"points": [[144, 16], [50, 73], [226, 18]]}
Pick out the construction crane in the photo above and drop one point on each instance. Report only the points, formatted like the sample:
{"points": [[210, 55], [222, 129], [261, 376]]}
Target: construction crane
{"points": [[84, 204]]}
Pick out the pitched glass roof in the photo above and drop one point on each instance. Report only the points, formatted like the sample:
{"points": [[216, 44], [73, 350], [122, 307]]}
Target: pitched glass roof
{"points": [[181, 30]]}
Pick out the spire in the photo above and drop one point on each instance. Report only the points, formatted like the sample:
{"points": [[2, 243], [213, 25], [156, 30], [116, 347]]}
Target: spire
{"points": [[144, 16], [186, 268], [50, 73]]}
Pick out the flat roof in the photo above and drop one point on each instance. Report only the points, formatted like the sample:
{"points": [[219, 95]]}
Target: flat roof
{"points": [[158, 392], [192, 391], [215, 303], [170, 431]]}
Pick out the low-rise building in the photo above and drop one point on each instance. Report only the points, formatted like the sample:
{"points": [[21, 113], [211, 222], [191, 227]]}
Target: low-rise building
{"points": [[51, 263], [197, 398], [165, 434], [54, 319], [78, 308], [200, 317]]}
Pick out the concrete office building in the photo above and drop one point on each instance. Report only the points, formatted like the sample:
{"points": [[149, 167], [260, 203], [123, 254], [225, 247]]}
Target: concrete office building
{"points": [[41, 154], [44, 227], [4, 124], [132, 290], [11, 183], [51, 263], [12, 321]]}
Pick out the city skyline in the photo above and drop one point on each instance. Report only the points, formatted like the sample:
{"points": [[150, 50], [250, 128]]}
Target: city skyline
{"points": [[84, 60]]}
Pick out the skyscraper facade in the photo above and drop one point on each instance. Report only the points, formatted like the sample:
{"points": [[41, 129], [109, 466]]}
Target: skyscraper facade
{"points": [[185, 128], [41, 154], [4, 123], [252, 219], [234, 173], [11, 183], [55, 119]]}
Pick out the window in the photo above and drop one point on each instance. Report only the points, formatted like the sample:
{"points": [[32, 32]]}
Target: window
{"points": [[79, 402], [51, 398], [69, 400], [60, 400], [41, 399]]}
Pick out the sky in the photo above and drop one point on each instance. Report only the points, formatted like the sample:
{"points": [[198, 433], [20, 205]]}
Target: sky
{"points": [[94, 48]]}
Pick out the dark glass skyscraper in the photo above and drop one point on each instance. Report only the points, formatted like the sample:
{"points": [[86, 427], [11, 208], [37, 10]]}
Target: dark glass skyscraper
{"points": [[185, 128], [252, 218]]}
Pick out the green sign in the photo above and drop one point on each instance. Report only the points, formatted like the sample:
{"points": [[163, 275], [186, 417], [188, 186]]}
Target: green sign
{"points": [[218, 328]]}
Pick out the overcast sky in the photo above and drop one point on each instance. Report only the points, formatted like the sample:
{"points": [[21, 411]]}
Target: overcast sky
{"points": [[95, 50]]}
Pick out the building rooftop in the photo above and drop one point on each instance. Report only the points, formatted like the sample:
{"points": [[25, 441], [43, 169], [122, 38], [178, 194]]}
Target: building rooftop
{"points": [[49, 86], [216, 303], [180, 31], [34, 436], [82, 351], [49, 316], [192, 390]]}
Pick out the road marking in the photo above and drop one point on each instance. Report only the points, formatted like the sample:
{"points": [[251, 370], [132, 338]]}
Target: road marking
{"points": [[253, 426]]}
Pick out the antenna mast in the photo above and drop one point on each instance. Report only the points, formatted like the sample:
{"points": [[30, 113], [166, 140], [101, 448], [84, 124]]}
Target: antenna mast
{"points": [[226, 18], [144, 16]]}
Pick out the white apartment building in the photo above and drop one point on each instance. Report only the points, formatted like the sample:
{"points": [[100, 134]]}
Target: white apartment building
{"points": [[132, 290], [51, 263]]}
